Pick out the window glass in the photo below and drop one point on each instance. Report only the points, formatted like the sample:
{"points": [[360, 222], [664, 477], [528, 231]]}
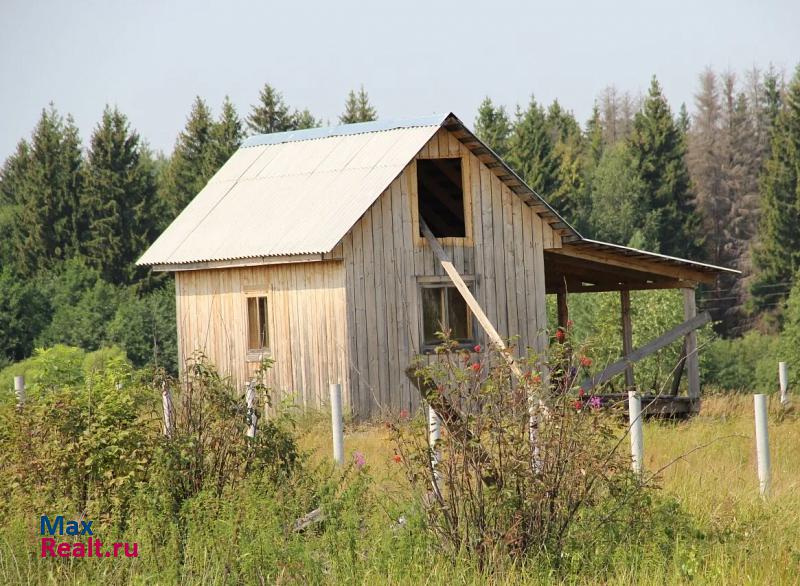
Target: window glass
{"points": [[257, 330], [431, 314], [458, 316]]}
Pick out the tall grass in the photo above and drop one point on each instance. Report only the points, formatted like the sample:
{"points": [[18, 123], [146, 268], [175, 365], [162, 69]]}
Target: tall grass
{"points": [[374, 531]]}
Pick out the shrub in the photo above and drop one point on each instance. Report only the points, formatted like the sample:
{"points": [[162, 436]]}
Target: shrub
{"points": [[504, 489]]}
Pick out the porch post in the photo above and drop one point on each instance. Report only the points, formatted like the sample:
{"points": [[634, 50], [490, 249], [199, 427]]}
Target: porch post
{"points": [[563, 310], [692, 362], [627, 334]]}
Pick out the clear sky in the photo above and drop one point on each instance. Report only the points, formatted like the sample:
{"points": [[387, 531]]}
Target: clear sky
{"points": [[152, 57]]}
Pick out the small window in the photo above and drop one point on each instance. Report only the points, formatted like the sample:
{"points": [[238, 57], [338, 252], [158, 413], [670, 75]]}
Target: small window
{"points": [[443, 308], [441, 197], [257, 330]]}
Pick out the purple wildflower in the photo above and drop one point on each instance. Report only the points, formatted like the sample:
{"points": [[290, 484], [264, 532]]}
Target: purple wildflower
{"points": [[359, 460], [595, 402]]}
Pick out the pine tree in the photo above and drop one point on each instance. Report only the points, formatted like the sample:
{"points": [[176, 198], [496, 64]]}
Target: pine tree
{"points": [[493, 127], [777, 253], [357, 108], [531, 149], [226, 136], [271, 114], [192, 161], [42, 181], [118, 199], [658, 149]]}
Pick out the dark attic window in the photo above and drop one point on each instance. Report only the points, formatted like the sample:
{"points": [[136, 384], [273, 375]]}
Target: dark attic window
{"points": [[441, 197]]}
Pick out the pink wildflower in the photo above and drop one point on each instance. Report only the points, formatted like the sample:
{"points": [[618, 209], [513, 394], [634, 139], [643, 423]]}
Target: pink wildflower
{"points": [[359, 460], [595, 402]]}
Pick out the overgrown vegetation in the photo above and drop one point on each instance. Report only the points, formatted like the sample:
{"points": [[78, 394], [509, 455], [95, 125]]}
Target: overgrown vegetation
{"points": [[209, 505]]}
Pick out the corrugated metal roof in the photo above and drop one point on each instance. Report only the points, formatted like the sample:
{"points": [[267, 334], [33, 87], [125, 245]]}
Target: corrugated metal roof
{"points": [[291, 193]]}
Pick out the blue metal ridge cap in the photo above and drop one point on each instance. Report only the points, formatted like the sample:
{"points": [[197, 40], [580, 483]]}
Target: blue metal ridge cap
{"points": [[342, 130]]}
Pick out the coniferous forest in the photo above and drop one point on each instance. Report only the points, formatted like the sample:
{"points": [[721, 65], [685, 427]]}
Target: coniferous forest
{"points": [[716, 180]]}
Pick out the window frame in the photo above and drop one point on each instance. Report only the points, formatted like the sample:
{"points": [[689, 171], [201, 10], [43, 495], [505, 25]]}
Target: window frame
{"points": [[444, 283], [257, 354], [466, 190]]}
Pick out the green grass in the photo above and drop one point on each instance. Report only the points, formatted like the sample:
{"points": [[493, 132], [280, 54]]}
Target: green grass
{"points": [[244, 538]]}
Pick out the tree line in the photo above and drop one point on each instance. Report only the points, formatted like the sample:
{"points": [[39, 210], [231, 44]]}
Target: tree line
{"points": [[718, 185], [74, 222]]}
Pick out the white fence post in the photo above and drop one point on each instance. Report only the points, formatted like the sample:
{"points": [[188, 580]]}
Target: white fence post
{"points": [[762, 444], [434, 433], [337, 424], [19, 389], [636, 430], [783, 377], [252, 416], [166, 402]]}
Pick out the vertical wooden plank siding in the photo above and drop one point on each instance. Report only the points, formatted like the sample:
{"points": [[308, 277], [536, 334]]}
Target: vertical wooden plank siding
{"points": [[692, 360], [384, 256], [307, 323]]}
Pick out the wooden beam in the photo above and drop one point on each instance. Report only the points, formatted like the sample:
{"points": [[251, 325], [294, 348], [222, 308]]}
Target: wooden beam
{"points": [[563, 308], [642, 263], [692, 362], [472, 303], [627, 335], [664, 340]]}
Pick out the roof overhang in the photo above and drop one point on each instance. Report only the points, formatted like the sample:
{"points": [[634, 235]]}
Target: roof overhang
{"points": [[586, 265]]}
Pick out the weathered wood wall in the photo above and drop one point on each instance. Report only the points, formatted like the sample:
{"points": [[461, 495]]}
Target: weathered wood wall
{"points": [[306, 319], [385, 259]]}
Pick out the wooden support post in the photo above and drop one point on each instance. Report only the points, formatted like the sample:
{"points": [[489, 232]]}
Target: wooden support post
{"points": [[692, 361], [563, 309], [627, 335]]}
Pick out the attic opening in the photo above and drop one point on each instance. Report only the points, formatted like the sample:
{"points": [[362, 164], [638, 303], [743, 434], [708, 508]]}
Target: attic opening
{"points": [[441, 197]]}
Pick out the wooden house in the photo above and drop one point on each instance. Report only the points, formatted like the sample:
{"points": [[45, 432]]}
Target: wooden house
{"points": [[307, 247]]}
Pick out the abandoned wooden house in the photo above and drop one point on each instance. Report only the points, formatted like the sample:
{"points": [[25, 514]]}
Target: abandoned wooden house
{"points": [[308, 247]]}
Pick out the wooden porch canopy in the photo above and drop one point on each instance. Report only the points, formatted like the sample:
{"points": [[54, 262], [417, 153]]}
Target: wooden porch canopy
{"points": [[588, 266]]}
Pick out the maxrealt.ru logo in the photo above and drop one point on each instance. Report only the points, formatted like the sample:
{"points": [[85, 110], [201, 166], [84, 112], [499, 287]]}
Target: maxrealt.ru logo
{"points": [[91, 547]]}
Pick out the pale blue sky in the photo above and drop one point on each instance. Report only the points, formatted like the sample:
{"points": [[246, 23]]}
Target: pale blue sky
{"points": [[414, 58]]}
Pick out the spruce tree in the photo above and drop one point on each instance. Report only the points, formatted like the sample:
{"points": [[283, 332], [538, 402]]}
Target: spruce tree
{"points": [[569, 194], [305, 119], [271, 114], [118, 199], [777, 252], [357, 108], [493, 127], [658, 149], [226, 136], [191, 164], [594, 144], [531, 149], [42, 181]]}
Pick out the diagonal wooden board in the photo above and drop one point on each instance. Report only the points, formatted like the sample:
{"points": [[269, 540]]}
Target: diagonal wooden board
{"points": [[674, 334], [472, 303]]}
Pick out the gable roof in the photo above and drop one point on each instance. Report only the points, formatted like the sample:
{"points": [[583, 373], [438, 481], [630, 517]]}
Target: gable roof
{"points": [[300, 192]]}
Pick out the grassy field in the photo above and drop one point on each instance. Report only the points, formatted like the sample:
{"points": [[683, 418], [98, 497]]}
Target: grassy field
{"points": [[710, 468], [733, 537]]}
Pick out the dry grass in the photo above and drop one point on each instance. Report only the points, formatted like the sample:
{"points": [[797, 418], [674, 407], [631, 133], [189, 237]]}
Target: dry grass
{"points": [[756, 542]]}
